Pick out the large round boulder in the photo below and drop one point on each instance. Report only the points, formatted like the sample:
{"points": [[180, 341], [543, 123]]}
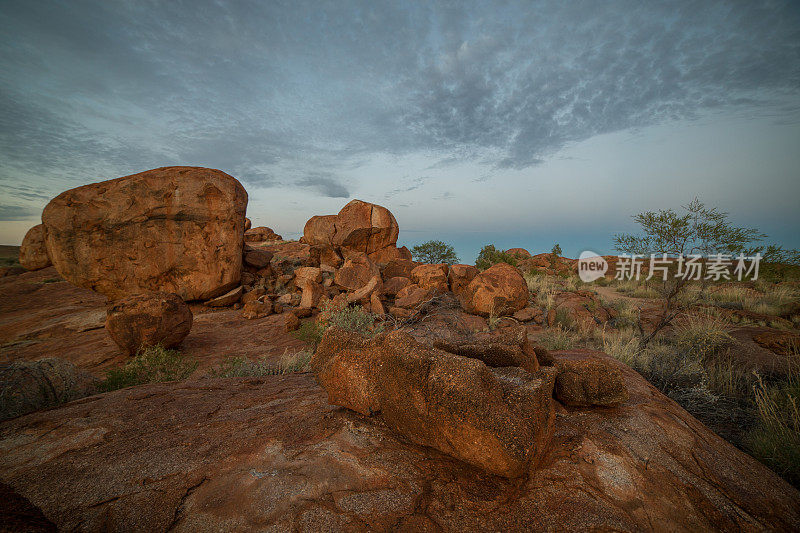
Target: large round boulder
{"points": [[171, 229], [360, 226], [33, 252], [500, 290], [147, 320]]}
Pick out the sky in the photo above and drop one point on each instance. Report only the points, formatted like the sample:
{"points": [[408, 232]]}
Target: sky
{"points": [[521, 124]]}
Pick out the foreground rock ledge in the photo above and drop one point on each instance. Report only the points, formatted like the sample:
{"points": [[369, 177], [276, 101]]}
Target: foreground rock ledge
{"points": [[271, 454]]}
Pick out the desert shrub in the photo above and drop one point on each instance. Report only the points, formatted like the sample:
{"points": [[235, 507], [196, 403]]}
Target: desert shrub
{"points": [[544, 287], [701, 336], [490, 255], [153, 364], [244, 367], [435, 252], [775, 441], [310, 332], [349, 318], [556, 251]]}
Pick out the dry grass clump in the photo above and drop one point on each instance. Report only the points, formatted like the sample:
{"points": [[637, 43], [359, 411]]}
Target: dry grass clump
{"points": [[545, 288], [289, 363], [775, 440], [701, 336], [636, 289]]}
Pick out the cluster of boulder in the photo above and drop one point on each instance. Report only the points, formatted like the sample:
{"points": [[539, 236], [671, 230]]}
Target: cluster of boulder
{"points": [[486, 400], [153, 241]]}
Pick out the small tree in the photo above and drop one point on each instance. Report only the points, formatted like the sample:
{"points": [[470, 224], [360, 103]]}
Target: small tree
{"points": [[700, 230], [556, 251], [434, 252], [490, 255]]}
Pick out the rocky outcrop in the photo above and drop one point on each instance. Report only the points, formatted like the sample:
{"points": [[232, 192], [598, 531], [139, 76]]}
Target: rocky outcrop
{"points": [[171, 229], [27, 386], [271, 454], [497, 419], [147, 320], [361, 227], [500, 290], [33, 252], [520, 253]]}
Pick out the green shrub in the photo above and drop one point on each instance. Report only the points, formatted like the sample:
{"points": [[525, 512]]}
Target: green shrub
{"points": [[152, 364], [244, 367], [355, 319], [491, 256], [310, 332], [434, 252]]}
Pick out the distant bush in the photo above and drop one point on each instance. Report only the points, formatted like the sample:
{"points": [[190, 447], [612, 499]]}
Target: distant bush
{"points": [[243, 367], [556, 251], [491, 256], [434, 252], [152, 364]]}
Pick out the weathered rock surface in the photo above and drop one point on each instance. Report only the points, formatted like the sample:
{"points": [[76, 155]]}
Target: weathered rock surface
{"points": [[148, 319], [500, 289], [257, 258], [33, 252], [521, 253], [271, 454], [586, 377], [394, 285], [356, 272], [433, 277], [171, 229], [256, 309], [509, 348], [398, 268], [27, 386], [496, 419], [412, 296], [460, 276]]}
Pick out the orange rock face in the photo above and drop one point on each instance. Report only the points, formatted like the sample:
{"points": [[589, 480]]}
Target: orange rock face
{"points": [[460, 277], [521, 253], [432, 277], [171, 229], [496, 419], [147, 320], [500, 289], [356, 272], [33, 252]]}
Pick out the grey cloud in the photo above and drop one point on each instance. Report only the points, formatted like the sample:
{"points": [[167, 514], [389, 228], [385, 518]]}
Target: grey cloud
{"points": [[325, 184], [15, 212], [96, 90]]}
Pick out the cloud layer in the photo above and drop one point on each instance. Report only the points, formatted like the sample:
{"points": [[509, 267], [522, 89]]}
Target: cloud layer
{"points": [[298, 94]]}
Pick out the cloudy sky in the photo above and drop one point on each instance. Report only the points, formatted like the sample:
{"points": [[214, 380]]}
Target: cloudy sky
{"points": [[513, 123]]}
